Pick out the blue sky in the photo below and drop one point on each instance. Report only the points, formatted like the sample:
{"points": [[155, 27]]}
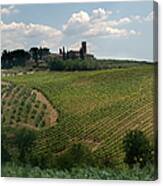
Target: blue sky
{"points": [[111, 29]]}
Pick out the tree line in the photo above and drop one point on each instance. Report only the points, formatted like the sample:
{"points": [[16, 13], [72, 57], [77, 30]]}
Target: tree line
{"points": [[19, 57]]}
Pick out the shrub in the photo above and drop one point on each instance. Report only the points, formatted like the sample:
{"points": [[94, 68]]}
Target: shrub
{"points": [[78, 155], [16, 144], [5, 156], [33, 97], [38, 118], [24, 138], [41, 124], [28, 106], [56, 64], [76, 64], [37, 104], [137, 149]]}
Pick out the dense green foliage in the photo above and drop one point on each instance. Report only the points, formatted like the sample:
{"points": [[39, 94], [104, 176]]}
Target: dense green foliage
{"points": [[16, 144], [38, 54], [20, 57], [137, 149], [77, 155], [87, 64], [14, 58], [76, 64], [147, 173]]}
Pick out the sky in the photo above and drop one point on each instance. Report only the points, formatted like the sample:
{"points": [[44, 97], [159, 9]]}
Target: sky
{"points": [[111, 29]]}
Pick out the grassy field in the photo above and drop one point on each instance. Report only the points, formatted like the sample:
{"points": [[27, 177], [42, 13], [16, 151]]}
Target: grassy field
{"points": [[145, 174], [96, 108]]}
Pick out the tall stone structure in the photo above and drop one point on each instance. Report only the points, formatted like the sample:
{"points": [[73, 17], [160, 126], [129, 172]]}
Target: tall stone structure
{"points": [[84, 47], [74, 54]]}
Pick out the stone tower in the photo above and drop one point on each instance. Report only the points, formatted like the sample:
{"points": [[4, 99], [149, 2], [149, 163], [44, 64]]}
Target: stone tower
{"points": [[84, 47]]}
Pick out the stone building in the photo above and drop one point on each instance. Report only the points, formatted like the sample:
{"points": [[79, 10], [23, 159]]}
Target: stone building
{"points": [[75, 54]]}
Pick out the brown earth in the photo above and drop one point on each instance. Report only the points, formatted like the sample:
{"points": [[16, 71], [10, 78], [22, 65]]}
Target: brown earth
{"points": [[53, 115]]}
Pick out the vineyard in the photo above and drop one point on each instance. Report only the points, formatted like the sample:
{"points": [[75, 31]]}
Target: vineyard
{"points": [[23, 107], [96, 108]]}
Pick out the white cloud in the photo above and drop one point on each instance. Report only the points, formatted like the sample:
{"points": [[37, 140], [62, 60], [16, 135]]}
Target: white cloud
{"points": [[77, 45], [118, 22], [77, 24], [8, 10], [81, 17], [80, 25], [100, 13], [103, 31], [98, 23], [149, 17], [76, 21], [142, 19], [21, 35]]}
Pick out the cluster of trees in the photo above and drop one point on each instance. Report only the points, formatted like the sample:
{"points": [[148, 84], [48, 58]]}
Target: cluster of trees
{"points": [[88, 64], [76, 64], [39, 53], [16, 144], [19, 57], [14, 58]]}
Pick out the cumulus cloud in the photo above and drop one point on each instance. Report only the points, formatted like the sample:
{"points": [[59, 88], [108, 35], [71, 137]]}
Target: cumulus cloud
{"points": [[121, 21], [98, 23], [78, 21], [100, 13], [8, 10], [77, 45], [141, 19], [80, 25], [21, 35], [109, 31]]}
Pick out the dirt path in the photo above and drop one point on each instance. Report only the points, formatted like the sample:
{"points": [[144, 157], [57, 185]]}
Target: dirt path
{"points": [[8, 73], [52, 112], [4, 83]]}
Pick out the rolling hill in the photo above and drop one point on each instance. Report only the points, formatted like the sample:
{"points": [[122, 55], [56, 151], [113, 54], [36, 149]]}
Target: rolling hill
{"points": [[96, 108]]}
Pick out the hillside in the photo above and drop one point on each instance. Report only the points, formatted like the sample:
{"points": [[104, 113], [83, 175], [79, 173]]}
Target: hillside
{"points": [[96, 108]]}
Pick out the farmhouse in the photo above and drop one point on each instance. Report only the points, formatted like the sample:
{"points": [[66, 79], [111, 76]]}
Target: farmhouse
{"points": [[75, 54]]}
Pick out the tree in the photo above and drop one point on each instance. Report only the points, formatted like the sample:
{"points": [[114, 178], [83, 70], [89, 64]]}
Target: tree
{"points": [[19, 57], [6, 59], [5, 156], [45, 51], [56, 64], [24, 138], [14, 58], [35, 54], [137, 149], [78, 155], [64, 53], [82, 53], [40, 53]]}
